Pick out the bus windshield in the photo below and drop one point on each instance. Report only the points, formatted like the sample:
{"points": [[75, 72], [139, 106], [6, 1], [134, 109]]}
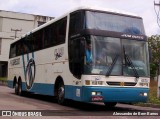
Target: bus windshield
{"points": [[115, 56], [114, 22]]}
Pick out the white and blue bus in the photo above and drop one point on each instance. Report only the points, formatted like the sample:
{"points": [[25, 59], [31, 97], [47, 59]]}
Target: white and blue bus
{"points": [[52, 59]]}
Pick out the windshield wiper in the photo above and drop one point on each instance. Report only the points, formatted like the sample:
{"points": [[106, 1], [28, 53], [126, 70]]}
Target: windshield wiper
{"points": [[112, 65], [130, 63]]}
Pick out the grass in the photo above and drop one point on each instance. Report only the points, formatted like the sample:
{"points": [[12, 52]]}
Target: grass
{"points": [[153, 93], [3, 78], [152, 100]]}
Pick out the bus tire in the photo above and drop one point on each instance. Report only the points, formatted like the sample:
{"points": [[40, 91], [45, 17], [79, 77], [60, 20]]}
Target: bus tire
{"points": [[19, 87], [110, 104], [16, 88], [61, 94]]}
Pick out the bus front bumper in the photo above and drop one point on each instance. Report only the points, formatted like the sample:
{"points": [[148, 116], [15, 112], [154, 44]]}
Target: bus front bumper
{"points": [[115, 94]]}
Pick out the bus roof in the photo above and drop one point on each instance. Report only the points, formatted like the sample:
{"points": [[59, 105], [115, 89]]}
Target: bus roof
{"points": [[112, 11], [115, 11]]}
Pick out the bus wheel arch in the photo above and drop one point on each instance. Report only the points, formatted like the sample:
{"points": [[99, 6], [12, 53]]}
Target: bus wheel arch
{"points": [[59, 90]]}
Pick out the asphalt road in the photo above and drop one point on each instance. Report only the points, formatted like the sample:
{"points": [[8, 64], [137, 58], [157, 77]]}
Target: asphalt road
{"points": [[47, 107]]}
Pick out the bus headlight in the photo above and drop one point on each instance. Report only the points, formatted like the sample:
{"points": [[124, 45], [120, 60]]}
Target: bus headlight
{"points": [[96, 93], [99, 93], [144, 94], [100, 82], [144, 84], [92, 82], [93, 93]]}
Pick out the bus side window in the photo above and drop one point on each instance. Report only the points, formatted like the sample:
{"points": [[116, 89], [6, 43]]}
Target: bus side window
{"points": [[37, 40], [55, 33], [48, 36], [76, 22], [61, 30], [13, 51], [19, 49]]}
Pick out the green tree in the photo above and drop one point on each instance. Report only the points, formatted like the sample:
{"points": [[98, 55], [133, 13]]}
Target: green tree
{"points": [[154, 46]]}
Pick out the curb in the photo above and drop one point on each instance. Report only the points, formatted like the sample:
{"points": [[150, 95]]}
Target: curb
{"points": [[148, 105], [152, 105]]}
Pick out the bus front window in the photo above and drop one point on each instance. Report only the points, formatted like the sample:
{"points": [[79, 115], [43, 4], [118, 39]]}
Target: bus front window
{"points": [[105, 54], [135, 60]]}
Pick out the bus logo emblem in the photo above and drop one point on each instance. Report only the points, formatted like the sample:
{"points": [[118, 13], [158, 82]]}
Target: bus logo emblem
{"points": [[58, 53], [30, 74], [122, 83]]}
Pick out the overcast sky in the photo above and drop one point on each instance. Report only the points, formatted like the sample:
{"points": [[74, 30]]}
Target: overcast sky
{"points": [[55, 8]]}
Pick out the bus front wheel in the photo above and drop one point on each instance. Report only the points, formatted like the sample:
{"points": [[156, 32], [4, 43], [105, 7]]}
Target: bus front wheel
{"points": [[61, 93]]}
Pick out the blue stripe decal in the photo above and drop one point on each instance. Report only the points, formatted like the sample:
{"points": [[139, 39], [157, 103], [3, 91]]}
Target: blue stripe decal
{"points": [[40, 88], [10, 83], [27, 57], [24, 67], [115, 94], [33, 55], [77, 93]]}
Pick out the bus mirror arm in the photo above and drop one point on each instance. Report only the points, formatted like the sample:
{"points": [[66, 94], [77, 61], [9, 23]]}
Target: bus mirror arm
{"points": [[82, 54], [82, 46]]}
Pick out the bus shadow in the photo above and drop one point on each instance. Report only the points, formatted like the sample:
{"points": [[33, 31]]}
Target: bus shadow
{"points": [[82, 106]]}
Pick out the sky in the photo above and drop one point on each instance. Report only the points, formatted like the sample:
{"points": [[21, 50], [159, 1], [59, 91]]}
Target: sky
{"points": [[55, 8]]}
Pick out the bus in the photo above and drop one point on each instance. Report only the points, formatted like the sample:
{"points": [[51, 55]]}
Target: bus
{"points": [[52, 59]]}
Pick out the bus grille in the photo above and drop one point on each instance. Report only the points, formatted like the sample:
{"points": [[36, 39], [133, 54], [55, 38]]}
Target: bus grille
{"points": [[121, 83]]}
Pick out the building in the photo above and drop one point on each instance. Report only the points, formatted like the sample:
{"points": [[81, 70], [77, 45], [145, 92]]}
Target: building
{"points": [[13, 25]]}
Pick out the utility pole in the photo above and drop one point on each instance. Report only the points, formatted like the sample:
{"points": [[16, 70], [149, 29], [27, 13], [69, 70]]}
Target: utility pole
{"points": [[158, 22], [15, 30], [157, 4], [157, 11]]}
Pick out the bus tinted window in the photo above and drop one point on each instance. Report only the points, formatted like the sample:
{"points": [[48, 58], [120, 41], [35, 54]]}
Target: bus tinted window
{"points": [[12, 51], [76, 22], [113, 22], [55, 33], [61, 31], [49, 36], [37, 40], [18, 48]]}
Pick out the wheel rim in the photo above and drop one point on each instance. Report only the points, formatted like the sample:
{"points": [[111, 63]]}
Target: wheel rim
{"points": [[16, 88], [61, 94], [19, 88]]}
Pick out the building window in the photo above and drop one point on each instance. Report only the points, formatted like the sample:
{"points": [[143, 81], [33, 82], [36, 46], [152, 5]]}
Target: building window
{"points": [[40, 23], [3, 69]]}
